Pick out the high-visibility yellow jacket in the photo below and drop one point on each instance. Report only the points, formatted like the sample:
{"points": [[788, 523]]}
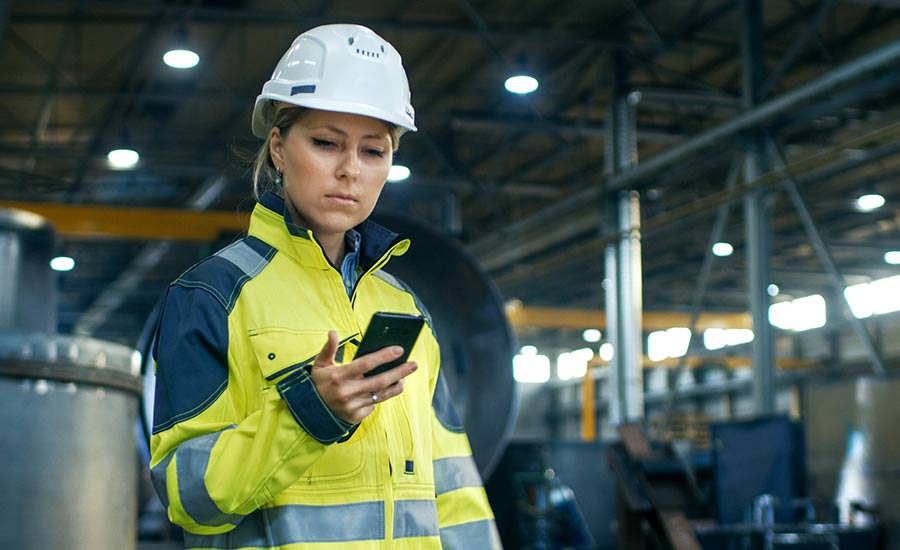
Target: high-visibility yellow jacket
{"points": [[245, 454]]}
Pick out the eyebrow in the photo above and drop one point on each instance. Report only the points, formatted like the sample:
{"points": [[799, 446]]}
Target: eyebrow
{"points": [[337, 130]]}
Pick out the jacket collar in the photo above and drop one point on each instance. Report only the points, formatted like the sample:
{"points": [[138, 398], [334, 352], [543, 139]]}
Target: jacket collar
{"points": [[272, 223]]}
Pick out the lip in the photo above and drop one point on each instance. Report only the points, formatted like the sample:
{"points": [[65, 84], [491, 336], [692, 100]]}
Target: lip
{"points": [[346, 200]]}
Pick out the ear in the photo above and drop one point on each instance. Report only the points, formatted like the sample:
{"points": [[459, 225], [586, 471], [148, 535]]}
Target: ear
{"points": [[276, 148]]}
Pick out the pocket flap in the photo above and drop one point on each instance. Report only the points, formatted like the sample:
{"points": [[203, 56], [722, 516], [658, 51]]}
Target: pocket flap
{"points": [[280, 351]]}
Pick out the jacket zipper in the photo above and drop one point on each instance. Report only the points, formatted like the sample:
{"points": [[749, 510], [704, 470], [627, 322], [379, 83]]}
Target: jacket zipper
{"points": [[375, 267]]}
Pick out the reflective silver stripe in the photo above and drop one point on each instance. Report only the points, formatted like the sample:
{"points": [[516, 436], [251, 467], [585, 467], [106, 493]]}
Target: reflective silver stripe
{"points": [[415, 518], [158, 476], [296, 523], [453, 473], [244, 257], [191, 462], [475, 534], [400, 285]]}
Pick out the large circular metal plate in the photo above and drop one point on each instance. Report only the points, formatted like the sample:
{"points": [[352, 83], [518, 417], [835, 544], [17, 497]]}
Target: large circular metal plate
{"points": [[477, 342]]}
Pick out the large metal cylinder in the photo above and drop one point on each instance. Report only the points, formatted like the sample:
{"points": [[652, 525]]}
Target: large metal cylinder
{"points": [[27, 284], [477, 341], [68, 411]]}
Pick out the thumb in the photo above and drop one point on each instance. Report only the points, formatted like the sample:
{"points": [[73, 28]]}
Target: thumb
{"points": [[326, 356]]}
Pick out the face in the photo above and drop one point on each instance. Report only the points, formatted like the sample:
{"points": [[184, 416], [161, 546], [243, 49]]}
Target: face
{"points": [[334, 167]]}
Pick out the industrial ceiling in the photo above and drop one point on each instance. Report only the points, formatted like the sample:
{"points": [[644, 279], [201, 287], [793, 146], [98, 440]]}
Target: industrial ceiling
{"points": [[522, 181]]}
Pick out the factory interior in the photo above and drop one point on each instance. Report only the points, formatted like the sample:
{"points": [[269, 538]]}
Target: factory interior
{"points": [[659, 241]]}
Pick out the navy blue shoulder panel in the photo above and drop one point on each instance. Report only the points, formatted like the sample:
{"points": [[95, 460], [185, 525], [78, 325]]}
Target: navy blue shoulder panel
{"points": [[443, 406], [226, 272], [191, 345], [191, 354]]}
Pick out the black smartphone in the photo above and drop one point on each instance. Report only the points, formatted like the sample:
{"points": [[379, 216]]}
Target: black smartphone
{"points": [[390, 329]]}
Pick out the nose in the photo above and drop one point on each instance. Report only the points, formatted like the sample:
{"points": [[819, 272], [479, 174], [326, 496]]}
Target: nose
{"points": [[349, 167]]}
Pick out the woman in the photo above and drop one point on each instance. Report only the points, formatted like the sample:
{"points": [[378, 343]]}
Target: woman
{"points": [[264, 437]]}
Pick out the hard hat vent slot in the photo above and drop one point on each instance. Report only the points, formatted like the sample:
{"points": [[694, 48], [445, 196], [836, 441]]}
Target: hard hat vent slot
{"points": [[367, 53]]}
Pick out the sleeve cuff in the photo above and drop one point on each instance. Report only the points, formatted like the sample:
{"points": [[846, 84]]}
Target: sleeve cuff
{"points": [[308, 409]]}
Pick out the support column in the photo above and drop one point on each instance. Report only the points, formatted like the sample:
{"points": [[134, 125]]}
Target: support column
{"points": [[623, 258], [757, 212]]}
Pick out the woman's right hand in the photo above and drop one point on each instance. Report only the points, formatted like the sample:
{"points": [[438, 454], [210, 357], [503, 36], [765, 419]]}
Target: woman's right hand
{"points": [[346, 391]]}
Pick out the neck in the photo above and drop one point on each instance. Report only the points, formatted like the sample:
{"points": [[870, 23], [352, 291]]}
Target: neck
{"points": [[335, 247]]}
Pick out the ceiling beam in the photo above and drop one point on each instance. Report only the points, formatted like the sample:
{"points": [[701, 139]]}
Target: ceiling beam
{"points": [[545, 317], [149, 224], [293, 18]]}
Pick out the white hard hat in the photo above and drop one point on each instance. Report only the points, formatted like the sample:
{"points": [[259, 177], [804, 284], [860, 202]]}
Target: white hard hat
{"points": [[344, 68]]}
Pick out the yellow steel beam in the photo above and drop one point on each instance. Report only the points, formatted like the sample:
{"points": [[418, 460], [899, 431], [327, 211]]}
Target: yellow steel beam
{"points": [[545, 317], [93, 221], [728, 361]]}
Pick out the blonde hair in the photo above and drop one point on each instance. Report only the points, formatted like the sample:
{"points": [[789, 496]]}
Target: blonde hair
{"points": [[264, 171]]}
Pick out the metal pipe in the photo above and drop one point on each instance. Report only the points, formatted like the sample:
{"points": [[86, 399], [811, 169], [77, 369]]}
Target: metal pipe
{"points": [[757, 211], [623, 258], [794, 50], [869, 63], [821, 248]]}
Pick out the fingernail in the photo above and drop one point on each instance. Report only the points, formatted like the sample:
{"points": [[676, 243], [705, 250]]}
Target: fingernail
{"points": [[414, 367], [396, 350]]}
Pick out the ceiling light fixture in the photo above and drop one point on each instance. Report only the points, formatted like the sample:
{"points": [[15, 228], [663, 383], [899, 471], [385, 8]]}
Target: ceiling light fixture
{"points": [[892, 257], [123, 159], [62, 263], [521, 84], [869, 202], [181, 59], [722, 249], [398, 173]]}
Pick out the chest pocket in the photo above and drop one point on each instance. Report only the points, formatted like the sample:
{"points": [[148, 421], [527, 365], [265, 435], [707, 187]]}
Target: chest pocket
{"points": [[280, 351]]}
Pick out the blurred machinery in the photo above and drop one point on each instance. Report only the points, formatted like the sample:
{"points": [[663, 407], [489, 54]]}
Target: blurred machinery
{"points": [[69, 407], [748, 492]]}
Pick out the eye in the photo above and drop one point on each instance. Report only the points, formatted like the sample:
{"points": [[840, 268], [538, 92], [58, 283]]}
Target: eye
{"points": [[322, 143], [375, 152]]}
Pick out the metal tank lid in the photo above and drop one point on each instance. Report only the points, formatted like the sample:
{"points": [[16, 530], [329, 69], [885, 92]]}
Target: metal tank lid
{"points": [[75, 359]]}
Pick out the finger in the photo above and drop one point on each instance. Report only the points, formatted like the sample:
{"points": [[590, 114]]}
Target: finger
{"points": [[368, 362], [329, 350], [384, 380], [393, 390]]}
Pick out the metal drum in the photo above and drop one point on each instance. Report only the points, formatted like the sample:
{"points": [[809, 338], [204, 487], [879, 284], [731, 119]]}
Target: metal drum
{"points": [[68, 409], [27, 284]]}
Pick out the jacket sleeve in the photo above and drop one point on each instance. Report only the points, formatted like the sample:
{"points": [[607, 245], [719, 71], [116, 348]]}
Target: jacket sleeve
{"points": [[214, 457], [465, 518]]}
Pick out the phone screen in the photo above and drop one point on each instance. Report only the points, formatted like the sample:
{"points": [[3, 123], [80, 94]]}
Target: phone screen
{"points": [[390, 329]]}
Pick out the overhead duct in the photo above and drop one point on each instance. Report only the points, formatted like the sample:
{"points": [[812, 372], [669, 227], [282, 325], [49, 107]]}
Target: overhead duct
{"points": [[68, 408]]}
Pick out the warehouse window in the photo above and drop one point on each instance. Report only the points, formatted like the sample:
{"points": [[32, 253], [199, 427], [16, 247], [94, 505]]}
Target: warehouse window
{"points": [[875, 298], [573, 364], [663, 344], [718, 338], [800, 314], [528, 366]]}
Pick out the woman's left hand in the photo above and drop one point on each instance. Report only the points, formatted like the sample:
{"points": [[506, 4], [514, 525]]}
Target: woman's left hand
{"points": [[346, 390]]}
